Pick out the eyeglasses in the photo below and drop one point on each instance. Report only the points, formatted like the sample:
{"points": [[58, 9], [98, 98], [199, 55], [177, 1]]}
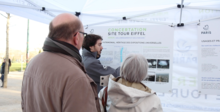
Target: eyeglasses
{"points": [[84, 34]]}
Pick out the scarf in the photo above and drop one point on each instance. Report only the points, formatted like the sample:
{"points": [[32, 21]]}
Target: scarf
{"points": [[56, 46], [135, 85]]}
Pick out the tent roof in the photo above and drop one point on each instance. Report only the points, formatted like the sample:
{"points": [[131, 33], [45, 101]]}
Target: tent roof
{"points": [[31, 9]]}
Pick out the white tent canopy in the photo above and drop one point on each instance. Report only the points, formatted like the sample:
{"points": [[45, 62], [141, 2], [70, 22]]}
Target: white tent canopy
{"points": [[184, 95], [98, 10]]}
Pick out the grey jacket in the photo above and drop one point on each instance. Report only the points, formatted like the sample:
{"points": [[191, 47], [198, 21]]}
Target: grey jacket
{"points": [[95, 69]]}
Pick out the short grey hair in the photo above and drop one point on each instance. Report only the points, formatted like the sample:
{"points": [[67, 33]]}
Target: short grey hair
{"points": [[134, 68]]}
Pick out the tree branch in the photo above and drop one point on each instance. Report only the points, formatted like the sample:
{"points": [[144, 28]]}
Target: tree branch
{"points": [[3, 15]]}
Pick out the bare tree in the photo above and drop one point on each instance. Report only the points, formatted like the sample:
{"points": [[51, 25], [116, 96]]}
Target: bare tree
{"points": [[7, 53]]}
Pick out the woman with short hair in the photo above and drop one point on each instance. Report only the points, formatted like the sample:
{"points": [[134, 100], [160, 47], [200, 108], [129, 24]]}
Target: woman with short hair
{"points": [[126, 93]]}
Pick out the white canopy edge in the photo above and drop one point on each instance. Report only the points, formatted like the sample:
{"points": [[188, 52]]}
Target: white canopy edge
{"points": [[49, 10]]}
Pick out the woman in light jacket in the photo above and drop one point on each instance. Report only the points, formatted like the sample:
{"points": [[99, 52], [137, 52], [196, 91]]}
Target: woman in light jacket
{"points": [[127, 93]]}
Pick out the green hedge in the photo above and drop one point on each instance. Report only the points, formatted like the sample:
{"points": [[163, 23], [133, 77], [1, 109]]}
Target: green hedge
{"points": [[17, 66]]}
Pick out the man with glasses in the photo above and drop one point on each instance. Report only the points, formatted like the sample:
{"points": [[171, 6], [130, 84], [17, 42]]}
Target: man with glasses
{"points": [[84, 34], [55, 80], [92, 48]]}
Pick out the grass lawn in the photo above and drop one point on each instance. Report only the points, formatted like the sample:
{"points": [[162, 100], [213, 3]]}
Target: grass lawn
{"points": [[17, 66]]}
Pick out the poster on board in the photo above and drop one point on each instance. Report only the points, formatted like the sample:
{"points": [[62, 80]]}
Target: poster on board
{"points": [[209, 57], [154, 42]]}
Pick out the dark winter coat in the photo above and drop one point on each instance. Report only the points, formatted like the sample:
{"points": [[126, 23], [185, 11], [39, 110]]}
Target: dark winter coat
{"points": [[3, 68]]}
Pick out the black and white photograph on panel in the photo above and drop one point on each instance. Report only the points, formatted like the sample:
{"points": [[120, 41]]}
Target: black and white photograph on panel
{"points": [[163, 64], [162, 77], [152, 63], [151, 76]]}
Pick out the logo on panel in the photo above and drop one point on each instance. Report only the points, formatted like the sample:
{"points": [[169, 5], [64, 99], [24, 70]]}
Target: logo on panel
{"points": [[206, 30]]}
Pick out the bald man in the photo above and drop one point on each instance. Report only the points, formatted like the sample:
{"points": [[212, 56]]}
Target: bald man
{"points": [[55, 80]]}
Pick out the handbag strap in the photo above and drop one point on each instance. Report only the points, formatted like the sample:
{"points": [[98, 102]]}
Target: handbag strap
{"points": [[104, 98]]}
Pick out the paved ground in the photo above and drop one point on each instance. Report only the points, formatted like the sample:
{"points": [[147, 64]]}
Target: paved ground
{"points": [[10, 98]]}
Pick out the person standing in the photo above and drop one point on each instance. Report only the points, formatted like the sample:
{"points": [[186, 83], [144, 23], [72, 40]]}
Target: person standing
{"points": [[92, 48], [3, 70], [127, 93], [55, 80]]}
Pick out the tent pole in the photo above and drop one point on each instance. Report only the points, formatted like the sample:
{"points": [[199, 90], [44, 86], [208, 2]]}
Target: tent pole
{"points": [[53, 10], [205, 8], [170, 24], [137, 16], [27, 50], [30, 2], [17, 5], [202, 20], [101, 23], [100, 16], [181, 11], [152, 12]]}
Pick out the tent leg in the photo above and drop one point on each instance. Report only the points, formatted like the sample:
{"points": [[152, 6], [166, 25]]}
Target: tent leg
{"points": [[181, 11]]}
